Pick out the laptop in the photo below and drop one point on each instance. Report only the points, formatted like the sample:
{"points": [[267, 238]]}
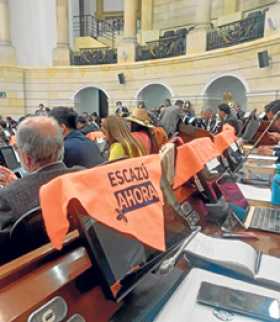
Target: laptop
{"points": [[120, 263], [265, 219], [10, 160]]}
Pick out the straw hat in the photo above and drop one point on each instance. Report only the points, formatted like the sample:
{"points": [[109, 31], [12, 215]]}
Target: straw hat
{"points": [[141, 117]]}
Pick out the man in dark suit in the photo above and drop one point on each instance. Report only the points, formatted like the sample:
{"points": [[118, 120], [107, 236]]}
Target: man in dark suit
{"points": [[227, 117], [40, 148], [78, 150]]}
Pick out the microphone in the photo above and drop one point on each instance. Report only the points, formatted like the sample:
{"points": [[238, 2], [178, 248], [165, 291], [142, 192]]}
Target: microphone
{"points": [[168, 264]]}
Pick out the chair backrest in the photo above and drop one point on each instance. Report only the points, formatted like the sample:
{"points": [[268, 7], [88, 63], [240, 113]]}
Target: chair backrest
{"points": [[28, 232]]}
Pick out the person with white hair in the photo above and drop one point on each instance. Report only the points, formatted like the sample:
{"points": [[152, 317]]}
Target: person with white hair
{"points": [[40, 148]]}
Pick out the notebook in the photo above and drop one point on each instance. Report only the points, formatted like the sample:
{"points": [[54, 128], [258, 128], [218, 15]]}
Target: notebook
{"points": [[235, 256], [183, 306], [255, 193]]}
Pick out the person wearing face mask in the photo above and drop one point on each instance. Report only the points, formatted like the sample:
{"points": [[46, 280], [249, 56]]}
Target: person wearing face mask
{"points": [[78, 150], [40, 149]]}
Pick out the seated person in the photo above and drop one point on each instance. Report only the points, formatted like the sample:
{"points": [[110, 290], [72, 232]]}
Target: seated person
{"points": [[121, 110], [209, 120], [121, 143], [171, 117], [268, 149], [140, 124], [85, 126], [227, 117], [271, 109], [40, 149], [78, 150]]}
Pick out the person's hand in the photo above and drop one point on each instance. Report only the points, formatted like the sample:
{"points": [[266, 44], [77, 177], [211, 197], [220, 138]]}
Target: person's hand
{"points": [[6, 176], [265, 150], [275, 135]]}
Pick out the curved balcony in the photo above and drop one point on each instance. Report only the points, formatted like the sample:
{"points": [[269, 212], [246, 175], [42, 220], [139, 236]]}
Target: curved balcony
{"points": [[238, 32], [95, 56], [171, 44]]}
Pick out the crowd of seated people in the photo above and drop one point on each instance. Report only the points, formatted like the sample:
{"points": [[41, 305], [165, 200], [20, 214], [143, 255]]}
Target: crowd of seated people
{"points": [[54, 141]]}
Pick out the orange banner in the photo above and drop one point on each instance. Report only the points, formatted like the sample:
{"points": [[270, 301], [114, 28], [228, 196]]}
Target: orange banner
{"points": [[125, 196], [191, 158], [225, 139]]}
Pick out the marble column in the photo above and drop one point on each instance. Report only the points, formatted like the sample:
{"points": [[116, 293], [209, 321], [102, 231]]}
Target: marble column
{"points": [[61, 54], [7, 51], [147, 15], [197, 39], [127, 46]]}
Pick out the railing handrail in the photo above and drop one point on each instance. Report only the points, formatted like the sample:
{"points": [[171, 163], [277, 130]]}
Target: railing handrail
{"points": [[95, 27], [235, 22], [247, 29]]}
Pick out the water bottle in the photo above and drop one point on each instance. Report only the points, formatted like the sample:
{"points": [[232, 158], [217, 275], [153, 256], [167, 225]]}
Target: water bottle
{"points": [[275, 196]]}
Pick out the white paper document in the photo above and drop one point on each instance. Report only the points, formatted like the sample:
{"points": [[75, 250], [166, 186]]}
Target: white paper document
{"points": [[255, 193]]}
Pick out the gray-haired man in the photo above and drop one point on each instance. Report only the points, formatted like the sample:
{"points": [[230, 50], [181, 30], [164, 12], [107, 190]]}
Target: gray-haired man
{"points": [[40, 148]]}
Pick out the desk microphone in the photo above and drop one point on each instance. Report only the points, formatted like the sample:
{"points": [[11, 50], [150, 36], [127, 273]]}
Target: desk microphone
{"points": [[168, 264]]}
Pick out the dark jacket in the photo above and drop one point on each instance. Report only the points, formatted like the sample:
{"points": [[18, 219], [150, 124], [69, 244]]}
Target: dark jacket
{"points": [[90, 128], [232, 120], [78, 150], [23, 195]]}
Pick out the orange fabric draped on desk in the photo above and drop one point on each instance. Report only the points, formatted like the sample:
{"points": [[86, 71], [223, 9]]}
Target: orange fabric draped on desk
{"points": [[191, 158], [225, 139], [125, 196]]}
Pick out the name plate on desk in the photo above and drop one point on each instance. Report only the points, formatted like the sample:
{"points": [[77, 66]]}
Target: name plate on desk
{"points": [[234, 147], [213, 164]]}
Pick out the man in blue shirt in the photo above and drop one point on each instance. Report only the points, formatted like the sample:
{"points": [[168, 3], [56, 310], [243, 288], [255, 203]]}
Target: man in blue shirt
{"points": [[78, 150]]}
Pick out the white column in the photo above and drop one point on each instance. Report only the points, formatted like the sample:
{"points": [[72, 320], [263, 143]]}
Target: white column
{"points": [[147, 15], [61, 55], [127, 47], [7, 52], [203, 13], [130, 18], [197, 39], [272, 19]]}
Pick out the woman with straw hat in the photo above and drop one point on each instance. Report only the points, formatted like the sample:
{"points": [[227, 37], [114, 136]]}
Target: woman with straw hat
{"points": [[140, 126]]}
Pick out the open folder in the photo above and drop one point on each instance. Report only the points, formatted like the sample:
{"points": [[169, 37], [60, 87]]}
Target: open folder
{"points": [[183, 306], [235, 256]]}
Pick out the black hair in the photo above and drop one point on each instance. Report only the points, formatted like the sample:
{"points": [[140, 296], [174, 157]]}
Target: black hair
{"points": [[82, 119], [224, 108], [179, 103], [138, 128], [3, 124], [274, 107], [66, 116]]}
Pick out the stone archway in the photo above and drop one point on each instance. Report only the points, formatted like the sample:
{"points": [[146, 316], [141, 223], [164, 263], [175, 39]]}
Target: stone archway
{"points": [[153, 95], [92, 99], [214, 92]]}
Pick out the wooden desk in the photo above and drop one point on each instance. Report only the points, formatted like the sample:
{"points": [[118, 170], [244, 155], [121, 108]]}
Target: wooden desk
{"points": [[29, 282]]}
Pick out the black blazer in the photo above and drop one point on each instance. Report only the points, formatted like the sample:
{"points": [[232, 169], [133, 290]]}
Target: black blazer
{"points": [[80, 151]]}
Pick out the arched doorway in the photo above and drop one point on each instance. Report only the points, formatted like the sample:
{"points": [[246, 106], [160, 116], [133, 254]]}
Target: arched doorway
{"points": [[214, 93], [153, 95], [91, 99]]}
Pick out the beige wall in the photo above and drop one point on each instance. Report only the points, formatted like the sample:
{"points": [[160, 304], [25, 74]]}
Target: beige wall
{"points": [[170, 13], [11, 82], [186, 77]]}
